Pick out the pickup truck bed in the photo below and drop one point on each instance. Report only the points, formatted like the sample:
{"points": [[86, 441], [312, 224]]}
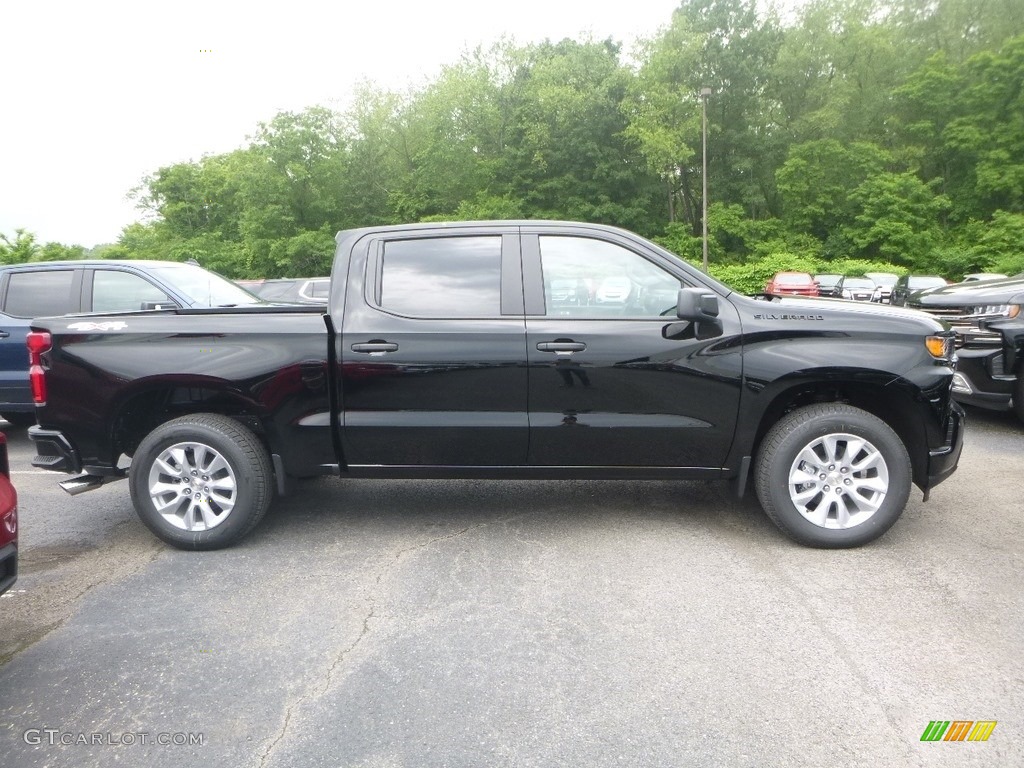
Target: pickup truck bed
{"points": [[91, 285]]}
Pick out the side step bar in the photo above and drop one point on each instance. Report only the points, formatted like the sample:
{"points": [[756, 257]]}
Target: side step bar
{"points": [[87, 482]]}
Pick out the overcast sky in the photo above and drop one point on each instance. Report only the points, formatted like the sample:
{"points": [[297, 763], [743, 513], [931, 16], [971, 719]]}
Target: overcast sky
{"points": [[95, 94]]}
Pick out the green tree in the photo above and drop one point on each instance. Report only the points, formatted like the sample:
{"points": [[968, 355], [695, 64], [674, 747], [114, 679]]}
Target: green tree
{"points": [[565, 154], [836, 71], [817, 180], [59, 252], [956, 28], [997, 245], [897, 219], [664, 116], [21, 248]]}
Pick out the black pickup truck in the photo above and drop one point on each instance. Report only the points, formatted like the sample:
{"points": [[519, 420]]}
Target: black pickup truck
{"points": [[988, 317], [503, 350]]}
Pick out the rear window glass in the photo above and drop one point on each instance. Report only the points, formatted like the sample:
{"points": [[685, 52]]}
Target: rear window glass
{"points": [[793, 279], [449, 277], [320, 289], [39, 294]]}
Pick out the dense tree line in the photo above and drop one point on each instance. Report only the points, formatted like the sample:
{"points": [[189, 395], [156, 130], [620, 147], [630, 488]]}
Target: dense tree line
{"points": [[859, 133], [23, 247]]}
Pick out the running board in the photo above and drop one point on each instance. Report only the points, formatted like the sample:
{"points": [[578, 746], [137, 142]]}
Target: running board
{"points": [[87, 482]]}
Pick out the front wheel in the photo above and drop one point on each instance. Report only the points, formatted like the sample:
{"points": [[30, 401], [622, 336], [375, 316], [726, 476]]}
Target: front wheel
{"points": [[833, 476], [201, 481]]}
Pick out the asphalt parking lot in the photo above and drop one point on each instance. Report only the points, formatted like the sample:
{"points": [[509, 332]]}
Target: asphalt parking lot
{"points": [[460, 623]]}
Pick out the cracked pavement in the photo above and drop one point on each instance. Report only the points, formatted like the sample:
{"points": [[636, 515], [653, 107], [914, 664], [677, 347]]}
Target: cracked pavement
{"points": [[463, 623]]}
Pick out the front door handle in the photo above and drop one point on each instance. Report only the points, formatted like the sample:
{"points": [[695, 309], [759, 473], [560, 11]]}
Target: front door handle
{"points": [[561, 347], [375, 347], [4, 334]]}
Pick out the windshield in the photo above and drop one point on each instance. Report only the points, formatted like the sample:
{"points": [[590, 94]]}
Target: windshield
{"points": [[857, 282], [204, 288], [926, 282], [794, 278]]}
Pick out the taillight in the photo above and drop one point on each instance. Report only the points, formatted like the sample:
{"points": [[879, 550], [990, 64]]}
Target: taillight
{"points": [[37, 342]]}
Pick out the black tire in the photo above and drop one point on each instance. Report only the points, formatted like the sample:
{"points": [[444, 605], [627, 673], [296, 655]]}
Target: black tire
{"points": [[20, 420], [819, 521], [240, 479]]}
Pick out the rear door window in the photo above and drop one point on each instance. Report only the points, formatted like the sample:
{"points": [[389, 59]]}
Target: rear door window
{"points": [[41, 294], [443, 277]]}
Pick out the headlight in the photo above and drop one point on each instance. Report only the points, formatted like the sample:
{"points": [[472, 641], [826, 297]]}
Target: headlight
{"points": [[996, 310], [940, 347]]}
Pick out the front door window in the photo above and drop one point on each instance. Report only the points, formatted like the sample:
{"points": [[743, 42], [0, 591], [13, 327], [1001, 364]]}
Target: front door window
{"points": [[594, 279]]}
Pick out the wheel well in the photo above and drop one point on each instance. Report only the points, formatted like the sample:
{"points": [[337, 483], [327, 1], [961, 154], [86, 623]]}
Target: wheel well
{"points": [[145, 411], [892, 405]]}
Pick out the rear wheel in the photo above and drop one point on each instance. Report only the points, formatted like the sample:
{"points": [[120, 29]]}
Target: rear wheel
{"points": [[201, 481], [832, 475]]}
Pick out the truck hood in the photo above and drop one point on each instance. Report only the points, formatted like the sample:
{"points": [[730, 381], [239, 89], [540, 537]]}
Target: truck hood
{"points": [[839, 310], [1008, 291]]}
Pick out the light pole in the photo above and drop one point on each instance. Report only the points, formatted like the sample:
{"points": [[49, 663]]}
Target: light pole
{"points": [[704, 93]]}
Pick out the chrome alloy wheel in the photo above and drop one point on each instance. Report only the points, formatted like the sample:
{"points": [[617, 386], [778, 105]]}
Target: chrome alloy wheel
{"points": [[192, 486], [838, 481]]}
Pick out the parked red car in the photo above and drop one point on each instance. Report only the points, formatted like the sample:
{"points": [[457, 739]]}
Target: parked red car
{"points": [[8, 523], [791, 284]]}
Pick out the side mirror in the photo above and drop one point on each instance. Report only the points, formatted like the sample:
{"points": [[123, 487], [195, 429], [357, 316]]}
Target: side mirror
{"points": [[697, 304], [159, 305]]}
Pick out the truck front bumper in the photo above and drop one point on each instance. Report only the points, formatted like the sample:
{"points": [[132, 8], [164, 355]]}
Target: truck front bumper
{"points": [[942, 461], [981, 378]]}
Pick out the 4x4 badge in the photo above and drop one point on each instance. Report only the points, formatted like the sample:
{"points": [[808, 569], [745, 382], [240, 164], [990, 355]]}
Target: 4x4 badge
{"points": [[111, 325]]}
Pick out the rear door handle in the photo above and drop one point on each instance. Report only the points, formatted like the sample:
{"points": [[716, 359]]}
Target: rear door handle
{"points": [[4, 334], [372, 347], [561, 347]]}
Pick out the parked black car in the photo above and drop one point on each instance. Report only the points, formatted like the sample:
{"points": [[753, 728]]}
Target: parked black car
{"points": [[827, 284], [854, 288]]}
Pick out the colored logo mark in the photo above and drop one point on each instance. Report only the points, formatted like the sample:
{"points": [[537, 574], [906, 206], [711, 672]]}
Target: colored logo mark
{"points": [[958, 730]]}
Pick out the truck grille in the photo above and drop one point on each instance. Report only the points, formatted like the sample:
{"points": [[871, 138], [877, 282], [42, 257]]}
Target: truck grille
{"points": [[967, 326]]}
